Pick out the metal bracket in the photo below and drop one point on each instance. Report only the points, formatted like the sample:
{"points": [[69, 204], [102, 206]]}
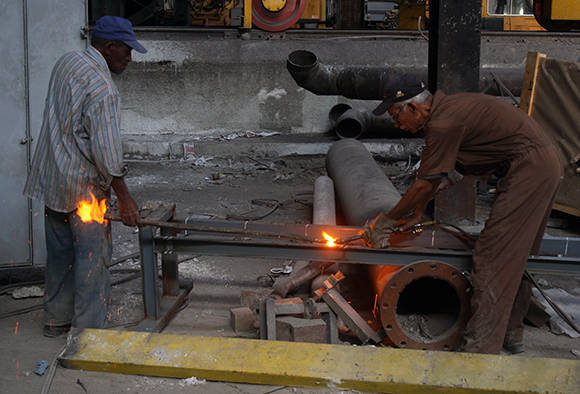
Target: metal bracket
{"points": [[342, 308]]}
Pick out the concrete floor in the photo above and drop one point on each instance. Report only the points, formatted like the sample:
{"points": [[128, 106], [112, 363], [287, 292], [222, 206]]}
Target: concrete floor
{"points": [[213, 187]]}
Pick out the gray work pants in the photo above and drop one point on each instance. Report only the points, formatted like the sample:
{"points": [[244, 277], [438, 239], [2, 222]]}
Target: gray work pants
{"points": [[77, 278]]}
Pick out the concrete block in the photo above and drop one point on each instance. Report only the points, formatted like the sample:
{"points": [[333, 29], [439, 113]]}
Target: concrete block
{"points": [[294, 329], [242, 319]]}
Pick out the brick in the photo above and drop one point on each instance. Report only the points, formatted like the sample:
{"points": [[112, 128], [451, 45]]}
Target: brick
{"points": [[242, 319], [294, 329]]}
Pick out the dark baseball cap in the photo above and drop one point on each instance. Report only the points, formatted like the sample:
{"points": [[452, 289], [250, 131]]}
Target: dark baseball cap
{"points": [[117, 28], [399, 89]]}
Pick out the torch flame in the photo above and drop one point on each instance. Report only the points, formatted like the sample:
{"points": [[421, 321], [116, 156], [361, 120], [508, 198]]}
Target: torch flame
{"points": [[93, 210], [329, 239]]}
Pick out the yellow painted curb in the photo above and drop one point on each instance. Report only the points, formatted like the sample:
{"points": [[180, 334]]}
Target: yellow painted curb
{"points": [[318, 365]]}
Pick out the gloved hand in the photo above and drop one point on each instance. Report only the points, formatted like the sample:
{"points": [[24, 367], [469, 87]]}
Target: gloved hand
{"points": [[379, 230]]}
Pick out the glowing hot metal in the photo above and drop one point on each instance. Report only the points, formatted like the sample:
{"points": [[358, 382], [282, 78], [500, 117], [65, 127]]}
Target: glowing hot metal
{"points": [[93, 210], [330, 241]]}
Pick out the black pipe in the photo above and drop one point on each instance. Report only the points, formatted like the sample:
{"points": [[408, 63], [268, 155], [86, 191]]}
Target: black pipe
{"points": [[365, 83], [368, 82], [350, 122]]}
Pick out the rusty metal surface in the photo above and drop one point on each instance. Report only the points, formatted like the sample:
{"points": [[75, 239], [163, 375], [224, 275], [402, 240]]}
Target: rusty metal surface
{"points": [[439, 294]]}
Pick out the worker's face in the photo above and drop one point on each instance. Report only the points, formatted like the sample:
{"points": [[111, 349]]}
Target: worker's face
{"points": [[406, 117], [117, 55]]}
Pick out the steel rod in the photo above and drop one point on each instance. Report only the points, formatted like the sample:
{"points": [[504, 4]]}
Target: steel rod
{"points": [[210, 229]]}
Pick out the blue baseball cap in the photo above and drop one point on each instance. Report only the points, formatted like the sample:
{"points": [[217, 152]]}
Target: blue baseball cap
{"points": [[117, 28]]}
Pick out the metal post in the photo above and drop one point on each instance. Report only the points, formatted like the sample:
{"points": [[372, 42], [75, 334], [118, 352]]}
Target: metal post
{"points": [[454, 54], [169, 267], [149, 272]]}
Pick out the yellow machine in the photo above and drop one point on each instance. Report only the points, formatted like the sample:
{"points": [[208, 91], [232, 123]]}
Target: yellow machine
{"points": [[280, 15], [509, 15], [269, 15], [212, 12], [558, 15], [413, 14]]}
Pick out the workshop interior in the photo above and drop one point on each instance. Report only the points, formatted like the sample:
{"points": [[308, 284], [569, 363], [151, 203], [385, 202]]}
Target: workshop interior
{"points": [[259, 163]]}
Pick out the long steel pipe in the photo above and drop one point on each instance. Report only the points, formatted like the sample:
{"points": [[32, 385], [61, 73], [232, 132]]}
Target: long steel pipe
{"points": [[368, 82], [424, 305]]}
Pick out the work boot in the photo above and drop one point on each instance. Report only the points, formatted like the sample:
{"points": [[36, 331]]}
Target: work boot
{"points": [[55, 331], [514, 348], [514, 341]]}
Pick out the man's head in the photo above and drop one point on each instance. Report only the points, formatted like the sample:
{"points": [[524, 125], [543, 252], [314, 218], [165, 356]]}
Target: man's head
{"points": [[407, 101], [114, 38]]}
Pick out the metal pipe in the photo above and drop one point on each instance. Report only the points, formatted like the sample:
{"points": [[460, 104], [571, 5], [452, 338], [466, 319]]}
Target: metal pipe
{"points": [[423, 305], [369, 82], [323, 213], [323, 209], [365, 83], [348, 122], [362, 188]]}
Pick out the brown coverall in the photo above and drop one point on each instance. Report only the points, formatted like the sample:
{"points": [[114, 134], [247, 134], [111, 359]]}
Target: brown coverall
{"points": [[479, 133]]}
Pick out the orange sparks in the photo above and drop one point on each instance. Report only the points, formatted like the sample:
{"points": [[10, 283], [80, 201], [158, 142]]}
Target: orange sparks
{"points": [[93, 210], [329, 240]]}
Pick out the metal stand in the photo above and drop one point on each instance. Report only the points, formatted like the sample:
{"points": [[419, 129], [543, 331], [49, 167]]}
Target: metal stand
{"points": [[160, 310]]}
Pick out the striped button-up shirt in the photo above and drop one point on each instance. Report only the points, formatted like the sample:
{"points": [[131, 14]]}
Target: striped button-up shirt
{"points": [[79, 148]]}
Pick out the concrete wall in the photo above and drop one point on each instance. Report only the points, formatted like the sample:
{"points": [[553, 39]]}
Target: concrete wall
{"points": [[191, 83]]}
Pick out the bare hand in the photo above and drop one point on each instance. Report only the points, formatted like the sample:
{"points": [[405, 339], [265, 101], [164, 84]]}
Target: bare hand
{"points": [[129, 211]]}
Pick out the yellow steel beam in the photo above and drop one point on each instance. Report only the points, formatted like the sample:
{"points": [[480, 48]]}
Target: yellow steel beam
{"points": [[319, 365]]}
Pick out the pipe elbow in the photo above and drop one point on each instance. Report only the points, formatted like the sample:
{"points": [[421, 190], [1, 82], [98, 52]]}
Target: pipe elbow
{"points": [[309, 74], [352, 124]]}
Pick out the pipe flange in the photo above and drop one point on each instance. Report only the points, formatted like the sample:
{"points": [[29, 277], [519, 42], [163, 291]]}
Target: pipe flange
{"points": [[405, 332]]}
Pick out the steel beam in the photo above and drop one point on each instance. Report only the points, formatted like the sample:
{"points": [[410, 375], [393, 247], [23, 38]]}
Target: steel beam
{"points": [[222, 246], [283, 363]]}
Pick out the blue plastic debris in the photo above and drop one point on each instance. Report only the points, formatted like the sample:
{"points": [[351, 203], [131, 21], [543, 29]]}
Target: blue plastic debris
{"points": [[42, 365]]}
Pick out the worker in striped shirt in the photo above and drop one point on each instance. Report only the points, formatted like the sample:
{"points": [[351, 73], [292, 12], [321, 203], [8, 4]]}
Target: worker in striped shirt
{"points": [[79, 153]]}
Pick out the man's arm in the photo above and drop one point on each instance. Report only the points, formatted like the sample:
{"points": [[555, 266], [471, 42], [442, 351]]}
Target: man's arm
{"points": [[416, 199], [127, 206]]}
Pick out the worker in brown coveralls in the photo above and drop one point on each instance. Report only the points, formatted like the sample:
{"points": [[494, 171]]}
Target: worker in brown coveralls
{"points": [[475, 134]]}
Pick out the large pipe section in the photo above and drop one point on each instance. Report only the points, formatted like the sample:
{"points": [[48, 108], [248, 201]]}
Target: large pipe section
{"points": [[368, 82], [362, 188], [349, 122], [424, 305]]}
